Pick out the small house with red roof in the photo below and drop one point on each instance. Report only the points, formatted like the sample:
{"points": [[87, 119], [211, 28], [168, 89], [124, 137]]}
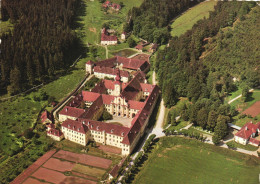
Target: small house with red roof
{"points": [[46, 117], [247, 134], [55, 134], [107, 39], [109, 4]]}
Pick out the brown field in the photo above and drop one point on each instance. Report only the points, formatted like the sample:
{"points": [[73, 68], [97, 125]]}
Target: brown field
{"points": [[88, 170], [57, 177], [253, 110], [84, 159], [58, 165], [19, 179], [33, 181], [84, 176], [109, 149], [48, 169]]}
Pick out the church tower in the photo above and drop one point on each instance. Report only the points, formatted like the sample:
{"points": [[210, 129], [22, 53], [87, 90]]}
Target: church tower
{"points": [[117, 83]]}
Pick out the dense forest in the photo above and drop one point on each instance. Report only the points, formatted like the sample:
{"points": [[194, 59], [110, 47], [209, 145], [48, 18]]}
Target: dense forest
{"points": [[150, 21], [39, 44], [202, 63]]}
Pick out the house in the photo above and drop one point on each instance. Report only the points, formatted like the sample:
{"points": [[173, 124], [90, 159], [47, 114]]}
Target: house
{"points": [[108, 67], [247, 134], [134, 100], [141, 45], [55, 134], [123, 36], [107, 39], [46, 117], [109, 4]]}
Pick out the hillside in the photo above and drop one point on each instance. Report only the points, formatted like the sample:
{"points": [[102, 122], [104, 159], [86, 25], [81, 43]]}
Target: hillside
{"points": [[236, 49], [191, 16]]}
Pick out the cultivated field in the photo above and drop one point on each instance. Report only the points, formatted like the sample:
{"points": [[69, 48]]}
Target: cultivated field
{"points": [[190, 17], [253, 110], [181, 160], [65, 167]]}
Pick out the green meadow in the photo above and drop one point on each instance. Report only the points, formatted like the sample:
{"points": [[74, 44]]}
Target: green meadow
{"points": [[190, 17], [181, 160]]}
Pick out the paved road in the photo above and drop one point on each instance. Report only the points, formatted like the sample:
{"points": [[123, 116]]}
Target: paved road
{"points": [[239, 96]]}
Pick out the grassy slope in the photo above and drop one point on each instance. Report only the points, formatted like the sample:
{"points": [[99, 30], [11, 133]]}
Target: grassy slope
{"points": [[96, 17], [5, 26], [177, 160], [189, 18]]}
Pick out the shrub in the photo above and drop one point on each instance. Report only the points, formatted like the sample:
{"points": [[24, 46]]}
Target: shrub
{"points": [[231, 145]]}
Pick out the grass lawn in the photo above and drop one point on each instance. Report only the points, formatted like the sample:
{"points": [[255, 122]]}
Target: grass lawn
{"points": [[180, 125], [181, 160], [246, 147], [253, 97], [91, 171], [240, 122], [190, 17], [95, 17]]}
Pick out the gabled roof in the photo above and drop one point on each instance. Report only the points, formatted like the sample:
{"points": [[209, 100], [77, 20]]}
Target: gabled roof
{"points": [[247, 130], [90, 96], [111, 71], [114, 171], [90, 112], [46, 115], [107, 99], [72, 111], [76, 100], [102, 126], [55, 132], [90, 62], [254, 141], [105, 37], [75, 126], [135, 104]]}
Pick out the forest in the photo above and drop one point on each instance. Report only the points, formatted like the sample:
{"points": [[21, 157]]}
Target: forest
{"points": [[202, 63], [151, 20], [40, 43]]}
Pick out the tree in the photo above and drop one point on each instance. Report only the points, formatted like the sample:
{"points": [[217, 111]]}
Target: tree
{"points": [[221, 128], [215, 139], [106, 115], [28, 133], [131, 42], [212, 120], [245, 93], [15, 80], [231, 145], [169, 94], [202, 117]]}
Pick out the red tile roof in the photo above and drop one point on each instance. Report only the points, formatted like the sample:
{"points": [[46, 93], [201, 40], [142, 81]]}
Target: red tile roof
{"points": [[75, 125], [107, 99], [114, 171], [139, 47], [46, 115], [105, 37], [111, 71], [247, 130], [132, 63], [100, 88], [90, 96], [135, 104], [254, 141], [76, 100], [102, 126], [90, 62], [72, 111], [90, 112], [147, 87], [55, 132]]}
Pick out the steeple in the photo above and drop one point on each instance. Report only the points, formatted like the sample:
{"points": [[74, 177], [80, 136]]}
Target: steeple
{"points": [[117, 83]]}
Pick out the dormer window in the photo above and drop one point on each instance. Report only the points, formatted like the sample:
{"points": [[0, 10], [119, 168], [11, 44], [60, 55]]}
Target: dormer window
{"points": [[74, 127], [88, 123], [66, 109], [84, 122], [112, 130], [123, 134], [91, 126], [69, 126], [78, 129], [97, 127]]}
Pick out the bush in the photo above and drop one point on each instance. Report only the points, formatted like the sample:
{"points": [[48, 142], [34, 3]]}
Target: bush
{"points": [[131, 42], [231, 145], [216, 140], [28, 133], [106, 115]]}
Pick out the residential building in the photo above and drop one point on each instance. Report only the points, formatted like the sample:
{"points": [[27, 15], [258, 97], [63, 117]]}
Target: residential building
{"points": [[247, 134]]}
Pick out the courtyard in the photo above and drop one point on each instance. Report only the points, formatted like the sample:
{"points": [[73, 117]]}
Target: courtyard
{"points": [[126, 122]]}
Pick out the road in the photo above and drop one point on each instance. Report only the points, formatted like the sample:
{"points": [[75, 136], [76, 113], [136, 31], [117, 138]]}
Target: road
{"points": [[239, 96]]}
